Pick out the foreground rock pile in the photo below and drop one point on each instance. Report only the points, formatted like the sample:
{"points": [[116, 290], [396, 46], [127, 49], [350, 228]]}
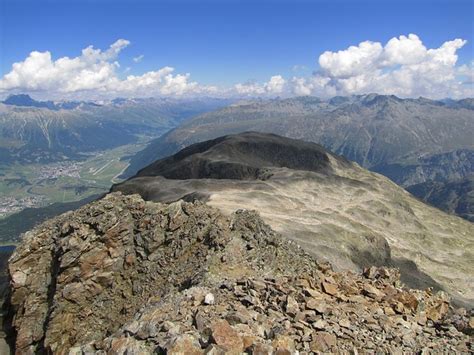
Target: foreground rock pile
{"points": [[125, 276]]}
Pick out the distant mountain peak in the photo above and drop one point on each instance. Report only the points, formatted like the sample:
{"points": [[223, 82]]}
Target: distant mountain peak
{"points": [[26, 100], [376, 99]]}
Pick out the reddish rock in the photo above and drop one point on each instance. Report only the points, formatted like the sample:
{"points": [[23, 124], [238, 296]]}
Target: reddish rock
{"points": [[185, 344], [329, 288], [437, 311], [322, 341], [226, 337]]}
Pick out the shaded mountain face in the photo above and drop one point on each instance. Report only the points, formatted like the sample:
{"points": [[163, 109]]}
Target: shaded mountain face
{"points": [[246, 156], [376, 131], [454, 165], [27, 101], [334, 209], [452, 196], [125, 276], [44, 131]]}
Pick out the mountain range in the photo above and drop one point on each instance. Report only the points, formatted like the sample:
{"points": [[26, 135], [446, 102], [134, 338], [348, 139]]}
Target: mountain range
{"points": [[47, 131], [411, 141], [375, 131]]}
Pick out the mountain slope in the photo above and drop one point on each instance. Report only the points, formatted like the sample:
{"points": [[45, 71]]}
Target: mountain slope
{"points": [[452, 196], [454, 165], [334, 209], [373, 130], [33, 131], [13, 226]]}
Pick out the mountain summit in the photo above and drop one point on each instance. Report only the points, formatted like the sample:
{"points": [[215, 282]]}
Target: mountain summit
{"points": [[334, 209], [27, 101], [246, 156]]}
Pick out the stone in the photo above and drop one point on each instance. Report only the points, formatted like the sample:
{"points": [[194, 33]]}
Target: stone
{"points": [[320, 324], [389, 311], [283, 345], [126, 345], [322, 342], [371, 272], [437, 311], [185, 344], [408, 300], [258, 285], [312, 292], [292, 306], [248, 341], [213, 349], [209, 299], [262, 349], [226, 337], [329, 288], [345, 323], [421, 318], [372, 291]]}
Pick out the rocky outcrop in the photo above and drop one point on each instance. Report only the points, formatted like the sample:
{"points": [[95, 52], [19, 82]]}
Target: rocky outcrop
{"points": [[125, 276]]}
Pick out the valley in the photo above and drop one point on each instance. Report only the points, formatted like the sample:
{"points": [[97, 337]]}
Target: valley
{"points": [[53, 155], [37, 185]]}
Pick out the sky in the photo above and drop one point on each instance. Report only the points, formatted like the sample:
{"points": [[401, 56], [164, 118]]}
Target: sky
{"points": [[104, 48]]}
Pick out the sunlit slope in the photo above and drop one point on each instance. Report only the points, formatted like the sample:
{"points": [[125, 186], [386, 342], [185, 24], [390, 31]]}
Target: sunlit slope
{"points": [[336, 210]]}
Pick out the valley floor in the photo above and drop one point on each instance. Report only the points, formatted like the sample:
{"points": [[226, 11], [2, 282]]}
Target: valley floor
{"points": [[39, 185]]}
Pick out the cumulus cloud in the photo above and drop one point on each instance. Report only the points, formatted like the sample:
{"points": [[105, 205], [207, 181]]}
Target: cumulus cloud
{"points": [[403, 66], [274, 86], [93, 73], [466, 72]]}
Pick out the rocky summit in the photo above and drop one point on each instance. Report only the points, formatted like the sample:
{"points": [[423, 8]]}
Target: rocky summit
{"points": [[126, 276]]}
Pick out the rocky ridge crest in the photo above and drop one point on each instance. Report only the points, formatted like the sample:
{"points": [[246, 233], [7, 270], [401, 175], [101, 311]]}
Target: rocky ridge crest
{"points": [[126, 276]]}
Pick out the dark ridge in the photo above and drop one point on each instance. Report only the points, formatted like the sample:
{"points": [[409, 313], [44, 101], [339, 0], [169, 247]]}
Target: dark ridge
{"points": [[244, 156]]}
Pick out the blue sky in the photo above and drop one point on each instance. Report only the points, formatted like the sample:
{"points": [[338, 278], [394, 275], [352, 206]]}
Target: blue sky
{"points": [[225, 42]]}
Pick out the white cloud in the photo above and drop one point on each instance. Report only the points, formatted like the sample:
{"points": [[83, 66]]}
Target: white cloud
{"points": [[352, 61], [404, 66], [92, 74], [139, 58], [466, 72], [274, 86]]}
